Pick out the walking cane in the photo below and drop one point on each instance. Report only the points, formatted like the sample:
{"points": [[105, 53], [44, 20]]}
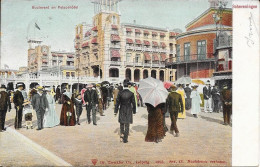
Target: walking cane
{"points": [[17, 109]]}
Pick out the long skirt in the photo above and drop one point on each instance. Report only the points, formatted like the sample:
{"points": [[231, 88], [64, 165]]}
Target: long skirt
{"points": [[155, 130]]}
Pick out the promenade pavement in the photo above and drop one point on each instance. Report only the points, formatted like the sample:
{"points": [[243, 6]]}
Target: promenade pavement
{"points": [[203, 141]]}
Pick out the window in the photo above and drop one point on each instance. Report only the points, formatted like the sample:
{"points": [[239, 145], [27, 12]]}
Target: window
{"points": [[137, 35], [67, 74], [187, 51], [201, 50], [137, 58], [146, 36], [114, 20], [178, 52], [128, 57], [128, 33]]}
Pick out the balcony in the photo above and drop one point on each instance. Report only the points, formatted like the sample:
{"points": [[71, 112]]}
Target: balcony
{"points": [[194, 58], [44, 57], [129, 47], [115, 63], [138, 48], [70, 59], [163, 50], [127, 63], [115, 46]]}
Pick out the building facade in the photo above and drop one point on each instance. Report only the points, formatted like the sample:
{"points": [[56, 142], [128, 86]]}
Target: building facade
{"points": [[197, 49], [114, 51], [41, 60]]}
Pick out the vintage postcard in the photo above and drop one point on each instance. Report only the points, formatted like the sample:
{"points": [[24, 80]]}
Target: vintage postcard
{"points": [[129, 83]]}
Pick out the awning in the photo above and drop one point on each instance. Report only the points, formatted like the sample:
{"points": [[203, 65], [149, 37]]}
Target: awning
{"points": [[163, 45], [173, 34], [44, 54], [154, 33], [85, 45], [44, 61], [115, 38], [163, 57], [155, 43], [115, 53], [146, 32], [94, 40], [137, 31], [155, 57], [147, 56], [128, 30], [94, 28], [60, 55], [70, 56], [223, 77], [137, 41], [114, 27], [87, 34], [146, 43], [76, 46], [77, 36], [53, 55], [162, 34], [128, 40]]}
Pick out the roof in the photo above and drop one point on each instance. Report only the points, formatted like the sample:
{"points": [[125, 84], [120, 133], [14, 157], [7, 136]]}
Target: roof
{"points": [[203, 14], [144, 27]]}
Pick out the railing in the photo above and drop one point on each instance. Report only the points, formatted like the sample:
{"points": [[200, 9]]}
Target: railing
{"points": [[70, 59], [130, 47], [115, 46], [162, 50], [191, 58], [115, 63], [138, 48], [44, 57]]}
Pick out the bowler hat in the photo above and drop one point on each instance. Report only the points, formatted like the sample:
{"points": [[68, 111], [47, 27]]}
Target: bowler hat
{"points": [[3, 86]]}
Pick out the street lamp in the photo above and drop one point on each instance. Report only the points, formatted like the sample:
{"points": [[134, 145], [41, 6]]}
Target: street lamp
{"points": [[78, 57]]}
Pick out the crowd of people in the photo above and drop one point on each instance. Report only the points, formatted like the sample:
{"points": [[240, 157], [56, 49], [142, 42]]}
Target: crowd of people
{"points": [[126, 99]]}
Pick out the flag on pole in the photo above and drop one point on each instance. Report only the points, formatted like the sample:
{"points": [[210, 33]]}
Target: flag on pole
{"points": [[36, 25]]}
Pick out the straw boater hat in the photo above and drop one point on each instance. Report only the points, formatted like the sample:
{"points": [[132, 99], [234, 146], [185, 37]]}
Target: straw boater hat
{"points": [[173, 87], [89, 86], [194, 85]]}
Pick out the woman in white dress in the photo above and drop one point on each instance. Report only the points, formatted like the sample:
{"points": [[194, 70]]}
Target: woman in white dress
{"points": [[50, 117], [195, 102]]}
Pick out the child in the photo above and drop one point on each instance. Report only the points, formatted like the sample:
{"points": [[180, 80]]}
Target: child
{"points": [[78, 103], [27, 110]]}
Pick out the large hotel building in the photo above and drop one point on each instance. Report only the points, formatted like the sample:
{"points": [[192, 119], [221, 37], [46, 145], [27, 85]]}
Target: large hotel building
{"points": [[114, 51]]}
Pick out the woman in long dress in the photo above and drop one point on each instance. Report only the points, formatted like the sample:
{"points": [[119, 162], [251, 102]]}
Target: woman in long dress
{"points": [[155, 131], [195, 102], [50, 118], [67, 115], [181, 91]]}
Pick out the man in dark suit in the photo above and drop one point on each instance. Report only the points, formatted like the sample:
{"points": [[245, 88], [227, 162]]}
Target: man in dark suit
{"points": [[18, 102], [4, 105], [207, 97], [91, 99], [187, 90], [126, 101], [216, 98], [226, 97], [174, 104], [40, 105]]}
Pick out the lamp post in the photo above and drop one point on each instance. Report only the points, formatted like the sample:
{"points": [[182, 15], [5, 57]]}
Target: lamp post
{"points": [[78, 56], [217, 17]]}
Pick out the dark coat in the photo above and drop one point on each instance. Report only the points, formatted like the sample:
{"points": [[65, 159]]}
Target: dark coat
{"points": [[206, 93], [187, 92], [215, 94], [91, 96], [67, 106], [226, 95], [58, 93], [18, 99], [78, 104], [126, 101], [120, 88], [174, 102], [39, 102], [4, 101], [104, 91]]}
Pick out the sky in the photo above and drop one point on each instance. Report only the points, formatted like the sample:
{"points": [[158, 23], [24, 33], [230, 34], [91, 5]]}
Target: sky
{"points": [[57, 26]]}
